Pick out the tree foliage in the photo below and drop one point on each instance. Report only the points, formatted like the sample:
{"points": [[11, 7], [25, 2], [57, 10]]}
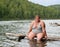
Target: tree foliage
{"points": [[23, 9]]}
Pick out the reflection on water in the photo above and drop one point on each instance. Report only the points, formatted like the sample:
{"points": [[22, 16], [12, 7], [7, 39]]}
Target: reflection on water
{"points": [[35, 44], [22, 27]]}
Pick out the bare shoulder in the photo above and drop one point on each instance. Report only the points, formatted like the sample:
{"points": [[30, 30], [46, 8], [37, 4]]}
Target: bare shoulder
{"points": [[32, 22], [42, 22]]}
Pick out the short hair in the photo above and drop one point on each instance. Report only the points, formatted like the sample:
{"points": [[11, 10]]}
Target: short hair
{"points": [[38, 16]]}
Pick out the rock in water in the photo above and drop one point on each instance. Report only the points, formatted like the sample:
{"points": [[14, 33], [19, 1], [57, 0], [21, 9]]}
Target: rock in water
{"points": [[13, 36], [18, 37]]}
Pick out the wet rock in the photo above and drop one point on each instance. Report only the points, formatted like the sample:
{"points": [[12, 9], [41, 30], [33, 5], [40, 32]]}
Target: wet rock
{"points": [[56, 24]]}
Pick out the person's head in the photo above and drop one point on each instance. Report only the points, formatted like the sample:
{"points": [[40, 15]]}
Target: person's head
{"points": [[37, 18]]}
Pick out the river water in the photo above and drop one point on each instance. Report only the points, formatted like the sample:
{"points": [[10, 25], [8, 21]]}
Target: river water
{"points": [[22, 26]]}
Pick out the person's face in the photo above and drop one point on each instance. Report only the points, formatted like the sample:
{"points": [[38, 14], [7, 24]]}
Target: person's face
{"points": [[37, 19]]}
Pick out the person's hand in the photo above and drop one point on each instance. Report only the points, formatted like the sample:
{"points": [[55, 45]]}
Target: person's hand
{"points": [[46, 37], [27, 34]]}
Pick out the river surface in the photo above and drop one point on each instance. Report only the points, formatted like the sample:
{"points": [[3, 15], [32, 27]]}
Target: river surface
{"points": [[22, 26]]}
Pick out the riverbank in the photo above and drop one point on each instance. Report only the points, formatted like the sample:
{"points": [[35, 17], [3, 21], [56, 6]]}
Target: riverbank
{"points": [[27, 19]]}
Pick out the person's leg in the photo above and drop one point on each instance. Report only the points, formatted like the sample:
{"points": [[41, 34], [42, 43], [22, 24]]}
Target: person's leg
{"points": [[31, 35], [39, 36]]}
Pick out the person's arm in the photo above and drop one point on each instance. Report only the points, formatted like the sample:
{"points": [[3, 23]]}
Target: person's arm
{"points": [[30, 28], [44, 29]]}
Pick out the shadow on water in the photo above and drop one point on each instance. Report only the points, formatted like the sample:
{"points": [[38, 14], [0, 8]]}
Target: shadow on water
{"points": [[35, 44]]}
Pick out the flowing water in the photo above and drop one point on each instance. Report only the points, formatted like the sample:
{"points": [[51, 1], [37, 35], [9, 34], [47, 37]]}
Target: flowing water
{"points": [[22, 26]]}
